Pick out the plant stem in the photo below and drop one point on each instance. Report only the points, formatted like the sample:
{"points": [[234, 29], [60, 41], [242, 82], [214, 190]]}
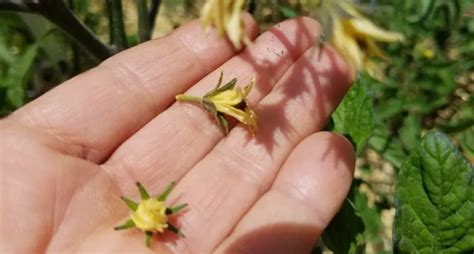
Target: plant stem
{"points": [[76, 56], [144, 31], [117, 28], [155, 7], [58, 13], [188, 98]]}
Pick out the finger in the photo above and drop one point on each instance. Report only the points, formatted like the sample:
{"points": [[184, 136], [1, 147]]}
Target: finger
{"points": [[171, 143], [94, 112], [307, 193], [224, 185], [160, 152]]}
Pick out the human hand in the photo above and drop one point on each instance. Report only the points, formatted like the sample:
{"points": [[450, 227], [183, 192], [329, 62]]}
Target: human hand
{"points": [[68, 157]]}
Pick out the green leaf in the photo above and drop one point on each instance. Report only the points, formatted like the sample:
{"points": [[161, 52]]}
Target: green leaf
{"points": [[388, 145], [18, 75], [435, 200], [354, 116], [287, 11], [462, 125], [410, 132], [466, 141], [5, 55], [345, 232], [370, 215]]}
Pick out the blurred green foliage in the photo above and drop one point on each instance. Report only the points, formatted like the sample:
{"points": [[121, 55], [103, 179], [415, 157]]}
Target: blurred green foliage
{"points": [[429, 73]]}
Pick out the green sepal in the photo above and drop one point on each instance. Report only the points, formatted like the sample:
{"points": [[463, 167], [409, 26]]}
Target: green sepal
{"points": [[219, 117], [209, 106], [128, 224], [175, 230], [229, 85], [164, 195], [178, 208], [130, 203], [148, 237], [143, 193], [223, 123], [219, 83]]}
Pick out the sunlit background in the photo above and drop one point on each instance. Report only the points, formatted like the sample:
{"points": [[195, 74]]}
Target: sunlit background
{"points": [[425, 82]]}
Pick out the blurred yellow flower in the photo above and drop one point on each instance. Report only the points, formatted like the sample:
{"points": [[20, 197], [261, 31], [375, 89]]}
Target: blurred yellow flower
{"points": [[426, 48], [353, 35], [225, 15], [151, 215], [355, 38], [228, 100]]}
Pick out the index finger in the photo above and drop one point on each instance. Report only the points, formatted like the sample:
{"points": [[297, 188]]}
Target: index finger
{"points": [[95, 112]]}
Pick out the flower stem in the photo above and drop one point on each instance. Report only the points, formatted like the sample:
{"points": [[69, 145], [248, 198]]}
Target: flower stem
{"points": [[144, 29], [155, 8], [116, 25], [189, 98]]}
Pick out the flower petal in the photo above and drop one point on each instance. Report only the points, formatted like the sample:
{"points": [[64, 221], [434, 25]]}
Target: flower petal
{"points": [[225, 15], [374, 50], [365, 28], [228, 97], [253, 119], [347, 45], [150, 216], [248, 87], [234, 25], [212, 13], [246, 117]]}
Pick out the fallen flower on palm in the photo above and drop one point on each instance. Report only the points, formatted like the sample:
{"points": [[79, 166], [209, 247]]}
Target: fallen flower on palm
{"points": [[226, 100], [151, 215]]}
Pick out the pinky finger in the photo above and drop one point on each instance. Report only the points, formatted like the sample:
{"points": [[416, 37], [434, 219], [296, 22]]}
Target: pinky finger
{"points": [[307, 193]]}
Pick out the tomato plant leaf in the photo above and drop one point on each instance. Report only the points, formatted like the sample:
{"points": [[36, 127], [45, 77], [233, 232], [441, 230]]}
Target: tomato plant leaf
{"points": [[435, 200], [354, 116], [18, 75], [287, 11], [345, 232]]}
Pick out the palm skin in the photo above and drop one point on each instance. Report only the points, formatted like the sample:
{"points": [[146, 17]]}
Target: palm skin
{"points": [[68, 157]]}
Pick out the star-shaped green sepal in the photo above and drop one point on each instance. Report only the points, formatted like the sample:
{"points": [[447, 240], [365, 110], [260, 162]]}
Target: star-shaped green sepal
{"points": [[151, 215]]}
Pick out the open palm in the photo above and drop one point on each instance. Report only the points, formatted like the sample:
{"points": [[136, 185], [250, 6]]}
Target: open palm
{"points": [[68, 157]]}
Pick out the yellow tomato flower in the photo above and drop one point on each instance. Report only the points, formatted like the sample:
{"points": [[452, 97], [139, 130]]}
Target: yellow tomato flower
{"points": [[225, 15], [151, 215], [355, 38], [353, 35], [228, 100]]}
